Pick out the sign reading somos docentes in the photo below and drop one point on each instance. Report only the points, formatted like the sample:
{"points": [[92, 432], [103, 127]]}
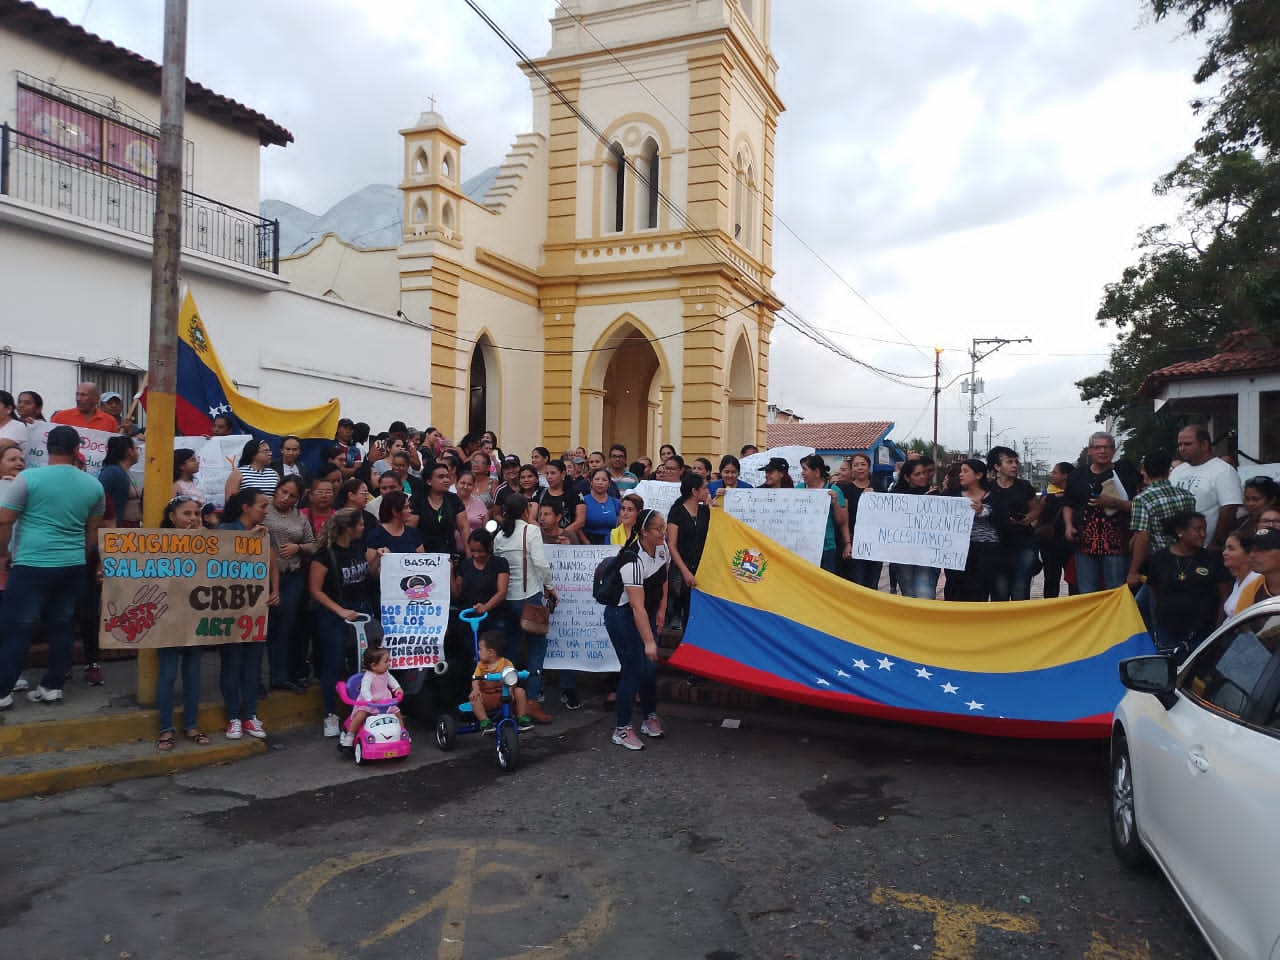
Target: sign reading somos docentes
{"points": [[415, 608], [182, 588], [923, 531]]}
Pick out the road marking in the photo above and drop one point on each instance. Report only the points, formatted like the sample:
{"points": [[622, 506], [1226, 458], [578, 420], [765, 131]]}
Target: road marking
{"points": [[289, 910], [1100, 949], [955, 925]]}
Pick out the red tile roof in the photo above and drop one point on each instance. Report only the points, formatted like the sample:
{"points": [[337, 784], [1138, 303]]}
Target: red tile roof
{"points": [[1243, 351], [829, 436], [39, 24]]}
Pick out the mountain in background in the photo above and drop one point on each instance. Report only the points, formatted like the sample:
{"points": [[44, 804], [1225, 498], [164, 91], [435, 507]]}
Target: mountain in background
{"points": [[368, 218]]}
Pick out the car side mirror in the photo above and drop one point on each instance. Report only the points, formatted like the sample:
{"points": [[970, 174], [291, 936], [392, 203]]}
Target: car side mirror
{"points": [[1155, 675]]}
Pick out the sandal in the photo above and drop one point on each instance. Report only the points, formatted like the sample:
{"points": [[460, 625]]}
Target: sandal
{"points": [[165, 742], [198, 738]]}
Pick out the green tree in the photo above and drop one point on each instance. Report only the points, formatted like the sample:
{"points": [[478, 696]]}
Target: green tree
{"points": [[1217, 268]]}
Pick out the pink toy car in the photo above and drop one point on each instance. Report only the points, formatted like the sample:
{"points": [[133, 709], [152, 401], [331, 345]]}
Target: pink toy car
{"points": [[382, 735]]}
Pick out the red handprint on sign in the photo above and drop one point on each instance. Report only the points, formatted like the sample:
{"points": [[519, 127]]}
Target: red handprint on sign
{"points": [[131, 624]]}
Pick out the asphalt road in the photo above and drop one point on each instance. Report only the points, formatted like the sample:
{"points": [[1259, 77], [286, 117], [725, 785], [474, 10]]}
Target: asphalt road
{"points": [[789, 837]]}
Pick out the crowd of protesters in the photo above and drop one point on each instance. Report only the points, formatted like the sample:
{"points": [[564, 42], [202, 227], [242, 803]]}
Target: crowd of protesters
{"points": [[1193, 541]]}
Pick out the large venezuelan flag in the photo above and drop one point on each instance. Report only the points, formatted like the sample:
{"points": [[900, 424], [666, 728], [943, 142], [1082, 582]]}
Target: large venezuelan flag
{"points": [[205, 390], [764, 619]]}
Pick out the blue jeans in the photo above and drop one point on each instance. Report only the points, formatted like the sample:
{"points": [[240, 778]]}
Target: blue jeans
{"points": [[1096, 572], [48, 594], [1013, 582], [918, 582], [636, 671], [170, 657], [238, 677], [280, 627], [516, 637]]}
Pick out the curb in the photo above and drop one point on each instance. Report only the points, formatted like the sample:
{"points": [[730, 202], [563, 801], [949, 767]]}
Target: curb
{"points": [[58, 780]]}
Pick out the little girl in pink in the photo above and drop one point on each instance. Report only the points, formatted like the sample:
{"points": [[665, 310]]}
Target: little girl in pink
{"points": [[377, 684]]}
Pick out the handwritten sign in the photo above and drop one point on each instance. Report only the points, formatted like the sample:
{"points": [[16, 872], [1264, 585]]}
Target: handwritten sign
{"points": [[415, 608], [93, 445], [577, 639], [923, 531], [660, 495], [182, 588], [217, 456], [796, 519], [753, 466]]}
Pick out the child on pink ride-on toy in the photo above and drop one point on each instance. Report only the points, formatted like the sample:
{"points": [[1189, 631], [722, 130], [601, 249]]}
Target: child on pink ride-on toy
{"points": [[377, 685]]}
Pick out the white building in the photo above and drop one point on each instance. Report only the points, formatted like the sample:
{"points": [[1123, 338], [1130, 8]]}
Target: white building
{"points": [[80, 120]]}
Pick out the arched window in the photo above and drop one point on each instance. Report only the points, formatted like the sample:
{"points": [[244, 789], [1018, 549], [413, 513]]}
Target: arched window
{"points": [[649, 162], [419, 212], [446, 215], [420, 163], [739, 198], [446, 166], [615, 184]]}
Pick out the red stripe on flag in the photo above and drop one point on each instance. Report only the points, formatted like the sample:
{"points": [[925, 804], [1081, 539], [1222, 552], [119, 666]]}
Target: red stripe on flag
{"points": [[716, 667]]}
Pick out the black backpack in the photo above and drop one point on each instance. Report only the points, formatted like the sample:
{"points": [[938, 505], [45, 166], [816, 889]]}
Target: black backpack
{"points": [[606, 583]]}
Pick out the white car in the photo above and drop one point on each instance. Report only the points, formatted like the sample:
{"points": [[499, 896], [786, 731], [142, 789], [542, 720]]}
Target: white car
{"points": [[1195, 779]]}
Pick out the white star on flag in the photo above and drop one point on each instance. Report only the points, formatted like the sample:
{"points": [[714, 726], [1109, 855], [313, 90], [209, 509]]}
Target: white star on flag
{"points": [[885, 663], [974, 705], [949, 687], [823, 683], [225, 408], [862, 664], [214, 410], [841, 673], [924, 674]]}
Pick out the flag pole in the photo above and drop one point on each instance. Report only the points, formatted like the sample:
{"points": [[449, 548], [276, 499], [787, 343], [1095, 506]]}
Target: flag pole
{"points": [[162, 359]]}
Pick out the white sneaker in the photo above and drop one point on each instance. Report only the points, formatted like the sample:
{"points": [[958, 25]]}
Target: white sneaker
{"points": [[41, 695], [331, 728], [253, 727], [234, 731], [20, 684], [346, 739]]}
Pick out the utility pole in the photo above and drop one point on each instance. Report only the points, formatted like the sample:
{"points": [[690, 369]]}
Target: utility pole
{"points": [[166, 260], [993, 344]]}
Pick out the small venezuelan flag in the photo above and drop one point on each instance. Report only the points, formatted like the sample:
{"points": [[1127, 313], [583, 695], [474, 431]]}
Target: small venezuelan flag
{"points": [[764, 619]]}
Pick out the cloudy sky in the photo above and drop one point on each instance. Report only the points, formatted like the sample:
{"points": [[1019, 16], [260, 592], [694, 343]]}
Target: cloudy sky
{"points": [[965, 168]]}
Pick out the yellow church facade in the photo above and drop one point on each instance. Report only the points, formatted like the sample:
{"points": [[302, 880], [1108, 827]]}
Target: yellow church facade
{"points": [[613, 284]]}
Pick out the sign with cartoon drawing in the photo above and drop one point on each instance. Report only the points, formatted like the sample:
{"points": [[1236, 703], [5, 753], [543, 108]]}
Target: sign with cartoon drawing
{"points": [[415, 608]]}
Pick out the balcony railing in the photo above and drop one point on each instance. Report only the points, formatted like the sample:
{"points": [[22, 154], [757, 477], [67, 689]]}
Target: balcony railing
{"points": [[50, 175]]}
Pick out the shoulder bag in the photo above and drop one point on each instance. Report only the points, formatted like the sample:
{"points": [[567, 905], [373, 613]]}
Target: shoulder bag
{"points": [[534, 617]]}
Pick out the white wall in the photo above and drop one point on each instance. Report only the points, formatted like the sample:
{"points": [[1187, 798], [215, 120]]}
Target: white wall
{"points": [[68, 301]]}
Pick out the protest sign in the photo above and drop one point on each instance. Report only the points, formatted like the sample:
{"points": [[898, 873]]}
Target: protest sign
{"points": [[93, 445], [660, 495], [914, 529], [577, 639], [217, 456], [415, 608], [752, 471], [182, 588], [796, 518]]}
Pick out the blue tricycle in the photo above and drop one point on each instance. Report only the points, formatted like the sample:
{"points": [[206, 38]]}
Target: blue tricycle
{"points": [[506, 731]]}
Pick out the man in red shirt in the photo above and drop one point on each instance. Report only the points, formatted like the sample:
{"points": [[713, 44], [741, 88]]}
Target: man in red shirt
{"points": [[86, 414]]}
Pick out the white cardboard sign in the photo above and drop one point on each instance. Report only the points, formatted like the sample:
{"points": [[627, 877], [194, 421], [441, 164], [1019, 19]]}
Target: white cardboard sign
{"points": [[795, 518], [915, 529], [577, 639]]}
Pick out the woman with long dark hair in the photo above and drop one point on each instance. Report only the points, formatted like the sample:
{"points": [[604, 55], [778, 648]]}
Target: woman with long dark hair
{"points": [[241, 663], [253, 472], [520, 544], [634, 624], [185, 467], [602, 509], [12, 426], [915, 580], [687, 525], [730, 469], [976, 581], [30, 407], [124, 496], [294, 542], [180, 513], [864, 572], [1055, 550], [339, 584], [836, 545]]}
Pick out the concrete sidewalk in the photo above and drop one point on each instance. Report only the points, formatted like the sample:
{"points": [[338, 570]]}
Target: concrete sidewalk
{"points": [[100, 735]]}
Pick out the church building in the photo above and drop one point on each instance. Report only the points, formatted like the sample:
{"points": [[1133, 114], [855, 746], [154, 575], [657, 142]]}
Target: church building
{"points": [[611, 281]]}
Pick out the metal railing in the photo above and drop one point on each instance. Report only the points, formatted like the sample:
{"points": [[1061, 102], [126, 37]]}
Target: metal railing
{"points": [[50, 175]]}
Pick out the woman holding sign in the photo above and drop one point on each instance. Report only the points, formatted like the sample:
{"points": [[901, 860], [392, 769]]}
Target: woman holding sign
{"points": [[836, 544], [339, 586], [529, 582], [976, 581], [913, 580], [181, 513]]}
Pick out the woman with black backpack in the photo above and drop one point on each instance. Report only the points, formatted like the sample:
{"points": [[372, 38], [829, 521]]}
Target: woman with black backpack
{"points": [[634, 623]]}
